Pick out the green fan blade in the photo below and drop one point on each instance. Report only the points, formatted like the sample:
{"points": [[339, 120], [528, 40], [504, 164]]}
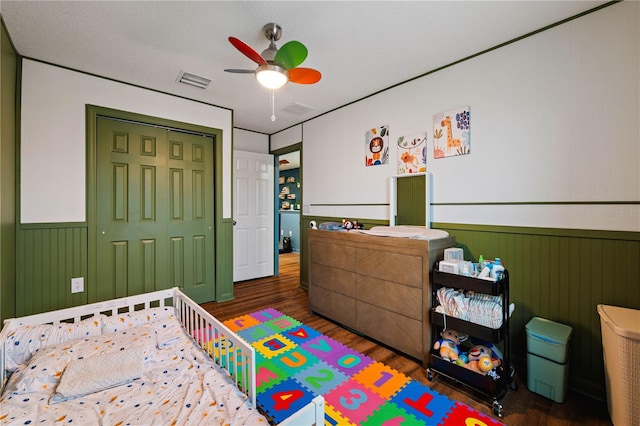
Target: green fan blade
{"points": [[291, 54]]}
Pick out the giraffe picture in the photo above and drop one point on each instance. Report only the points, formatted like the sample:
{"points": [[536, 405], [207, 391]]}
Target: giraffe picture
{"points": [[451, 130]]}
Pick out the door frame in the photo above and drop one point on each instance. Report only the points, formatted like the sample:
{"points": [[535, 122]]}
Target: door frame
{"points": [[276, 215], [223, 240]]}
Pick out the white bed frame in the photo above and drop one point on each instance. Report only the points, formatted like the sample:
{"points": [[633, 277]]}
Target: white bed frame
{"points": [[230, 347]]}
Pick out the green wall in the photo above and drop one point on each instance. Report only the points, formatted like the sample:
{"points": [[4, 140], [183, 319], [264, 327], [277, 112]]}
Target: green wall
{"points": [[558, 274], [8, 85]]}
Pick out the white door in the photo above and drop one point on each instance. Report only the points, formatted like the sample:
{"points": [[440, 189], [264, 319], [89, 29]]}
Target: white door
{"points": [[253, 210]]}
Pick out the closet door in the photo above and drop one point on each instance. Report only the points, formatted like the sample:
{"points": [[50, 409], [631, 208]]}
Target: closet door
{"points": [[154, 211]]}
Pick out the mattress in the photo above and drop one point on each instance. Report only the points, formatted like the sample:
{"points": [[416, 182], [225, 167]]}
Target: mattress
{"points": [[152, 374], [404, 231]]}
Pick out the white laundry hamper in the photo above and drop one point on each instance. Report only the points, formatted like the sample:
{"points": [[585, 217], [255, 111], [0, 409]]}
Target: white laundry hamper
{"points": [[621, 352]]}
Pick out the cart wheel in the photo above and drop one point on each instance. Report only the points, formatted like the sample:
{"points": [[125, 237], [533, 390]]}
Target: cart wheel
{"points": [[429, 375], [497, 409], [514, 386]]}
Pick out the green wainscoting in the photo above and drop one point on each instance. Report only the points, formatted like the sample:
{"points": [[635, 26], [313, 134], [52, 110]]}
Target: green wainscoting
{"points": [[224, 260], [561, 275], [558, 274], [49, 255]]}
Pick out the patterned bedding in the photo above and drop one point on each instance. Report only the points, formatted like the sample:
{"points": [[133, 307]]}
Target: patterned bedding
{"points": [[134, 372]]}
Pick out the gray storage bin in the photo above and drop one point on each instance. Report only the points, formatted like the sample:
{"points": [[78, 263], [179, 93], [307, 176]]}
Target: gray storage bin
{"points": [[548, 358]]}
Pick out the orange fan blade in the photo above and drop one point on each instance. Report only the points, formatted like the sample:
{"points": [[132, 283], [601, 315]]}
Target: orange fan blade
{"points": [[247, 51], [304, 75]]}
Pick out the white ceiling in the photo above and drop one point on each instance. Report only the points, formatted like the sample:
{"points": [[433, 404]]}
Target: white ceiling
{"points": [[361, 47]]}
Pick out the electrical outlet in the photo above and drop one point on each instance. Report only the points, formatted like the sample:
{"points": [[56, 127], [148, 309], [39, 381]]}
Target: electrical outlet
{"points": [[77, 285]]}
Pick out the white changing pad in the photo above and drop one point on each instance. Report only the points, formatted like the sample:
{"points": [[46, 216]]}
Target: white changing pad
{"points": [[405, 231]]}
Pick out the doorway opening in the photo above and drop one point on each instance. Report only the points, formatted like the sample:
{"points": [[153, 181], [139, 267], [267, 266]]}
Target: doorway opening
{"points": [[288, 207]]}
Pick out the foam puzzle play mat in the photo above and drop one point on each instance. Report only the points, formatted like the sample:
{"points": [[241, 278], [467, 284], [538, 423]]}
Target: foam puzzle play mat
{"points": [[295, 363]]}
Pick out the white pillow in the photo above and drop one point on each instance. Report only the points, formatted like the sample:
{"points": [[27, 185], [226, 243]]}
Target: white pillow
{"points": [[24, 341], [115, 323], [99, 372], [44, 370]]}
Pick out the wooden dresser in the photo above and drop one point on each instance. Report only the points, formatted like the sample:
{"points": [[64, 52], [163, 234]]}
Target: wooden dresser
{"points": [[378, 286]]}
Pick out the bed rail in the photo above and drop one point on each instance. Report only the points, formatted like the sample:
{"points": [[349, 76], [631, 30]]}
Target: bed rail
{"points": [[224, 346]]}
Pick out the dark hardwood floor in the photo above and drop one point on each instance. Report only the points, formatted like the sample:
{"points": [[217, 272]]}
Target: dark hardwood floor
{"points": [[520, 407]]}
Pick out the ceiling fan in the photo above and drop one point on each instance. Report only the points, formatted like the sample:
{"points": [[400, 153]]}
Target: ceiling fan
{"points": [[276, 66]]}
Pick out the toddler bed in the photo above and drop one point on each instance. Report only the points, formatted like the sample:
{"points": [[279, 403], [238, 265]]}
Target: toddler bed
{"points": [[132, 360]]}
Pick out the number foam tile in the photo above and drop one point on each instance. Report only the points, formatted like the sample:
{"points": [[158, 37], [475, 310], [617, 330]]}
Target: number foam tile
{"points": [[284, 399], [354, 401], [351, 362], [320, 378], [382, 379]]}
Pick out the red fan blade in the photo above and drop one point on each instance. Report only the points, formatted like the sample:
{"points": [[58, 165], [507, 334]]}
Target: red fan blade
{"points": [[304, 75], [247, 51]]}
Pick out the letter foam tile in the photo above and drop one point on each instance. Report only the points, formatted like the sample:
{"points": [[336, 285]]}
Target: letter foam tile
{"points": [[266, 314], [268, 375], [334, 418], [422, 402], [295, 363], [391, 414], [301, 334], [273, 345], [282, 323], [255, 333], [462, 414], [241, 323]]}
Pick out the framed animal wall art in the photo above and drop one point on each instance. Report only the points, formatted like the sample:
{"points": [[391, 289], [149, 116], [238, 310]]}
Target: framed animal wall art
{"points": [[451, 132], [412, 154], [376, 146]]}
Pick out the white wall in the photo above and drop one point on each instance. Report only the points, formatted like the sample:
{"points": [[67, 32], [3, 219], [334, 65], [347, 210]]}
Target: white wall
{"points": [[244, 140], [287, 137], [53, 133], [554, 119]]}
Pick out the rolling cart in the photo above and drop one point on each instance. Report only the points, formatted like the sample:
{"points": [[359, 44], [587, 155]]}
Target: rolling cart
{"points": [[495, 386]]}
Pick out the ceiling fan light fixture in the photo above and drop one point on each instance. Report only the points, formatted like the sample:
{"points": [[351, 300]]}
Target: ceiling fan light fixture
{"points": [[272, 76]]}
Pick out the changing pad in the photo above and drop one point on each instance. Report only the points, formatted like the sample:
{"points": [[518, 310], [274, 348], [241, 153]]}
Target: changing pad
{"points": [[404, 231]]}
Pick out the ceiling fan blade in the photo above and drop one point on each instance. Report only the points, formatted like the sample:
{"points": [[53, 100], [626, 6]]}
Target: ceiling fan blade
{"points": [[304, 75], [246, 50], [237, 71], [291, 54]]}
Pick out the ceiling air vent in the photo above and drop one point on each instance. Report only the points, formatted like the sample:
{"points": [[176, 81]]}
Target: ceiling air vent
{"points": [[193, 80], [298, 109]]}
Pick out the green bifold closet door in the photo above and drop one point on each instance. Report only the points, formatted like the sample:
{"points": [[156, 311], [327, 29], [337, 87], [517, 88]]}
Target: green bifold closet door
{"points": [[155, 210]]}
